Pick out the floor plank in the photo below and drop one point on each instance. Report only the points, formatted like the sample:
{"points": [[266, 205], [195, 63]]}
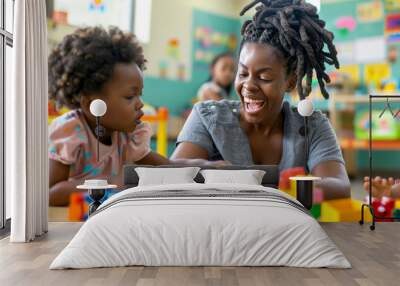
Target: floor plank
{"points": [[375, 257]]}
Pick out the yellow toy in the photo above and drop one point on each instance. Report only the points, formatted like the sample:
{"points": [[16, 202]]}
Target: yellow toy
{"points": [[161, 118], [53, 112], [342, 210]]}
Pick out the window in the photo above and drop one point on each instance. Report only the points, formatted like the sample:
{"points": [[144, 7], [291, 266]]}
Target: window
{"points": [[9, 19], [129, 15], [316, 3], [80, 13], [6, 43], [142, 20]]}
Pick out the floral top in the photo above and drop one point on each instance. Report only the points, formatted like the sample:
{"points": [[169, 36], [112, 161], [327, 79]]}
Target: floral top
{"points": [[72, 142]]}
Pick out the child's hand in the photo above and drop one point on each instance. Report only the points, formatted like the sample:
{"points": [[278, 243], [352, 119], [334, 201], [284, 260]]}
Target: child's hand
{"points": [[380, 187]]}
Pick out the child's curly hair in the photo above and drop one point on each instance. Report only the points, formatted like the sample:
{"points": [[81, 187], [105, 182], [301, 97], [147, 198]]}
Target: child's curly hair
{"points": [[85, 60]]}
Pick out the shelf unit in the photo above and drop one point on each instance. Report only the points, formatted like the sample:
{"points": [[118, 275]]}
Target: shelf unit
{"points": [[350, 143], [354, 144]]}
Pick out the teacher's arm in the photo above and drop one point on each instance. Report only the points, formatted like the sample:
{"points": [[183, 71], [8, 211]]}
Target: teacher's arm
{"points": [[326, 160], [335, 183], [194, 140], [189, 150]]}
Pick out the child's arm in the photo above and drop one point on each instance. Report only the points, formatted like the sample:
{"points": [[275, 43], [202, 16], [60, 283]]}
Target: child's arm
{"points": [[156, 159], [60, 187], [396, 190]]}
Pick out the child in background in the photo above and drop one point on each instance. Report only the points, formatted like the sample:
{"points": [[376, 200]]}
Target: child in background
{"points": [[219, 85], [89, 64], [383, 187]]}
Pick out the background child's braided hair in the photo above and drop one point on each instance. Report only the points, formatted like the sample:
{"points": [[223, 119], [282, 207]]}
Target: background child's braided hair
{"points": [[294, 28]]}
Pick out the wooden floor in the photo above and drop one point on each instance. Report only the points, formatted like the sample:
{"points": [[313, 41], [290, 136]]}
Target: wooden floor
{"points": [[375, 256]]}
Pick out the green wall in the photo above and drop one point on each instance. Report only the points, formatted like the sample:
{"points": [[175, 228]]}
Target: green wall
{"points": [[175, 95]]}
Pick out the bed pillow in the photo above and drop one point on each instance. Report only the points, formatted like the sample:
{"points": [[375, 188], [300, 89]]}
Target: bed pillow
{"points": [[271, 177], [166, 176], [247, 177]]}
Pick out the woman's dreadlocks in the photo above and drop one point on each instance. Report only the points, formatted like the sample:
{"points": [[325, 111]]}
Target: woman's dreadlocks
{"points": [[293, 27]]}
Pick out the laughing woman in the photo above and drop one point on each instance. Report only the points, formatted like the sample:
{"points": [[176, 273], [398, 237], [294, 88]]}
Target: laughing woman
{"points": [[282, 44]]}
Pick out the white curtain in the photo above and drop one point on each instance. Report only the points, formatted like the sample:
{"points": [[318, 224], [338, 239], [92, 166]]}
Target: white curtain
{"points": [[26, 123]]}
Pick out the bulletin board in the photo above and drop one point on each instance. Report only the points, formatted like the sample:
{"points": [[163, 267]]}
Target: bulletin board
{"points": [[333, 13], [361, 36]]}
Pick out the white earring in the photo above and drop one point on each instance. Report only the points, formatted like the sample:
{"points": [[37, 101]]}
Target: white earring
{"points": [[305, 107], [98, 107]]}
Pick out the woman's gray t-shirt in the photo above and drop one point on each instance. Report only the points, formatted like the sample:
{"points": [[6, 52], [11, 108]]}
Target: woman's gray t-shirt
{"points": [[215, 126]]}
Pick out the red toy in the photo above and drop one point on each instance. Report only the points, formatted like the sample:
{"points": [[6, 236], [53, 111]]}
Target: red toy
{"points": [[382, 207], [284, 182]]}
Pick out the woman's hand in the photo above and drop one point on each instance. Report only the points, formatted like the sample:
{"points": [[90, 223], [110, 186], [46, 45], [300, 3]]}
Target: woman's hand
{"points": [[380, 187], [217, 164], [200, 162], [335, 183]]}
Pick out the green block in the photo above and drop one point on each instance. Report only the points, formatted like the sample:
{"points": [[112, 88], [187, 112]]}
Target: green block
{"points": [[396, 213], [316, 211]]}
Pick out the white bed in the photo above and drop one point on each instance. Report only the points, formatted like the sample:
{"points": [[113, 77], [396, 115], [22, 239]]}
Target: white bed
{"points": [[201, 224]]}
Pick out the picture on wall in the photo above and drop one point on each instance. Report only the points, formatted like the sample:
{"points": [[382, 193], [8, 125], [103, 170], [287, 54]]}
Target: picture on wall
{"points": [[392, 5], [96, 12], [392, 28], [210, 41], [369, 11]]}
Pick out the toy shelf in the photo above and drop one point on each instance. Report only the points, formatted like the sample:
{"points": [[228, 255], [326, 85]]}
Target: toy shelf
{"points": [[348, 100], [348, 143]]}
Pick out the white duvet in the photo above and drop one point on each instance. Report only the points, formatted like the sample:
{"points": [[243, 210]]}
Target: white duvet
{"points": [[245, 225]]}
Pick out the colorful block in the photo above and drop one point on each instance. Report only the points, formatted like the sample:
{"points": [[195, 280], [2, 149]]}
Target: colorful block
{"points": [[318, 196], [77, 207], [284, 182], [396, 213], [343, 210], [79, 204], [316, 211]]}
